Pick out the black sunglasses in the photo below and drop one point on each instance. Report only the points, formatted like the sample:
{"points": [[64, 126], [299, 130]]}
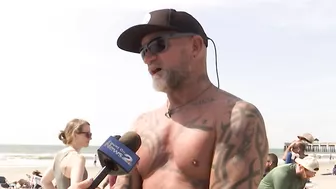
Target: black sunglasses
{"points": [[160, 43], [87, 134]]}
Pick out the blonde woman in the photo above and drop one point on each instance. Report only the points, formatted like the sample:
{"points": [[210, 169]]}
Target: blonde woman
{"points": [[69, 165]]}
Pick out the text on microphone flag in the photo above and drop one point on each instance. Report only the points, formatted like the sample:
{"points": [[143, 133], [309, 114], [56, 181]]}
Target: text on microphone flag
{"points": [[120, 153]]}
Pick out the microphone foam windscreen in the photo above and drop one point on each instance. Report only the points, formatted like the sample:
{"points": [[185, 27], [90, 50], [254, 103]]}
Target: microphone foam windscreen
{"points": [[132, 140]]}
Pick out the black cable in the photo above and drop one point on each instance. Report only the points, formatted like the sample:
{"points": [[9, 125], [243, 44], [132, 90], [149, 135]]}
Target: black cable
{"points": [[216, 65]]}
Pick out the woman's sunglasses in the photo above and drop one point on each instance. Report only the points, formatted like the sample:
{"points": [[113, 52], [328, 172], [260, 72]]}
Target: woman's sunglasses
{"points": [[160, 44], [87, 134]]}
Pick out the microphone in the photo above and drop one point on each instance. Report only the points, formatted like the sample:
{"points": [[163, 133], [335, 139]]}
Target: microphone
{"points": [[117, 157]]}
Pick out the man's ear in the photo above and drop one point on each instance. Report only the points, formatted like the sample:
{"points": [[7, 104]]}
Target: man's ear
{"points": [[197, 45]]}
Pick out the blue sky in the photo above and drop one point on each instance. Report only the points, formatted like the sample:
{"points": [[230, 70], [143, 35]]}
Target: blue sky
{"points": [[59, 60]]}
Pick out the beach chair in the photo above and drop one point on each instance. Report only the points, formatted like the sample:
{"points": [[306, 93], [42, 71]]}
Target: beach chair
{"points": [[35, 182], [3, 182]]}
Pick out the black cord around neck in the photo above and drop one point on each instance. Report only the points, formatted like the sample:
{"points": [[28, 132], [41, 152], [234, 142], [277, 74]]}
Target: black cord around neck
{"points": [[170, 111], [216, 65]]}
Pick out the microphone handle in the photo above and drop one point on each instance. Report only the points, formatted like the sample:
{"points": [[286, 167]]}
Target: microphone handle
{"points": [[100, 177]]}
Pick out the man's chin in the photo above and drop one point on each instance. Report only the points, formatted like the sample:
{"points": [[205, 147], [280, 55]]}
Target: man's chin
{"points": [[160, 86]]}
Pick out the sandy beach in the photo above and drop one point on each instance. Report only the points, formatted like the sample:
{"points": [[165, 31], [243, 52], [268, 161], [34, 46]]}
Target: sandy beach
{"points": [[16, 173], [320, 181]]}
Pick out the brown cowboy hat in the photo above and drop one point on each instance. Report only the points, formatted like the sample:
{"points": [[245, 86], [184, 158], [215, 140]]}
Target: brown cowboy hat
{"points": [[307, 137]]}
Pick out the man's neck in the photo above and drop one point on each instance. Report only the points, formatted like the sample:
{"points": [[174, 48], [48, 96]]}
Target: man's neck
{"points": [[188, 93]]}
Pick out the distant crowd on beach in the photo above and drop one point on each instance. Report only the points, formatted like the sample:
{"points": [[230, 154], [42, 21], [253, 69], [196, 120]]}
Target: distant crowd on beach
{"points": [[32, 181], [298, 169]]}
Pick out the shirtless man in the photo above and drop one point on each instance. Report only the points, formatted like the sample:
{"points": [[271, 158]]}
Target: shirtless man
{"points": [[203, 137]]}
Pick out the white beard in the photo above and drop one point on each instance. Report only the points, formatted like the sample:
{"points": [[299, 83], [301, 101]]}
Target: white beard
{"points": [[160, 83], [166, 81]]}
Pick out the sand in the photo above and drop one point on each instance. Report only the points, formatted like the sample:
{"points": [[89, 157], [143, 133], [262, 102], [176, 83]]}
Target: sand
{"points": [[320, 181], [17, 173]]}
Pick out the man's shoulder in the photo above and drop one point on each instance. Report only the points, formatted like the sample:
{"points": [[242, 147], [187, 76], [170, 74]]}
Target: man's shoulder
{"points": [[148, 114], [278, 174], [147, 118], [286, 171], [232, 102], [280, 169], [237, 108], [242, 119]]}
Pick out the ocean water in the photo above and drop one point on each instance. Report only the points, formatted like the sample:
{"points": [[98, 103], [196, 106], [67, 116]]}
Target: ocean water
{"points": [[36, 155], [42, 155]]}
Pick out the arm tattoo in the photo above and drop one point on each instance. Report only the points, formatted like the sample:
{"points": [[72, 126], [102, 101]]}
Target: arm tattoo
{"points": [[223, 156], [242, 143], [199, 123], [151, 141]]}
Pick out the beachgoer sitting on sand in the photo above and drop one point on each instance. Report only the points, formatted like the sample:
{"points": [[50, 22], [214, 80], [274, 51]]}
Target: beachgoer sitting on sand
{"points": [[68, 167], [291, 176], [3, 182], [271, 163], [36, 179], [13, 184], [23, 183]]}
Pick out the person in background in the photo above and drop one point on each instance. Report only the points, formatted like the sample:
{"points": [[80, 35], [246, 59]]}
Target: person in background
{"points": [[305, 138], [298, 151], [36, 179], [95, 160], [271, 163], [291, 176], [334, 170], [68, 167]]}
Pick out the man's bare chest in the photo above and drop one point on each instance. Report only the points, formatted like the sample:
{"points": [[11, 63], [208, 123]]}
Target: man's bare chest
{"points": [[186, 147]]}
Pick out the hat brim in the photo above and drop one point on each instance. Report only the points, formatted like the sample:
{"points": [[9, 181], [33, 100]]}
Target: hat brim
{"points": [[305, 139], [130, 39], [302, 162]]}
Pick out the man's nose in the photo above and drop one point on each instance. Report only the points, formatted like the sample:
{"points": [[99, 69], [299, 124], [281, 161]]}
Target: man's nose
{"points": [[149, 58]]}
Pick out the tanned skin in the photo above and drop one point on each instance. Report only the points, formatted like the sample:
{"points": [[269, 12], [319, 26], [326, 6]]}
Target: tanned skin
{"points": [[216, 142]]}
